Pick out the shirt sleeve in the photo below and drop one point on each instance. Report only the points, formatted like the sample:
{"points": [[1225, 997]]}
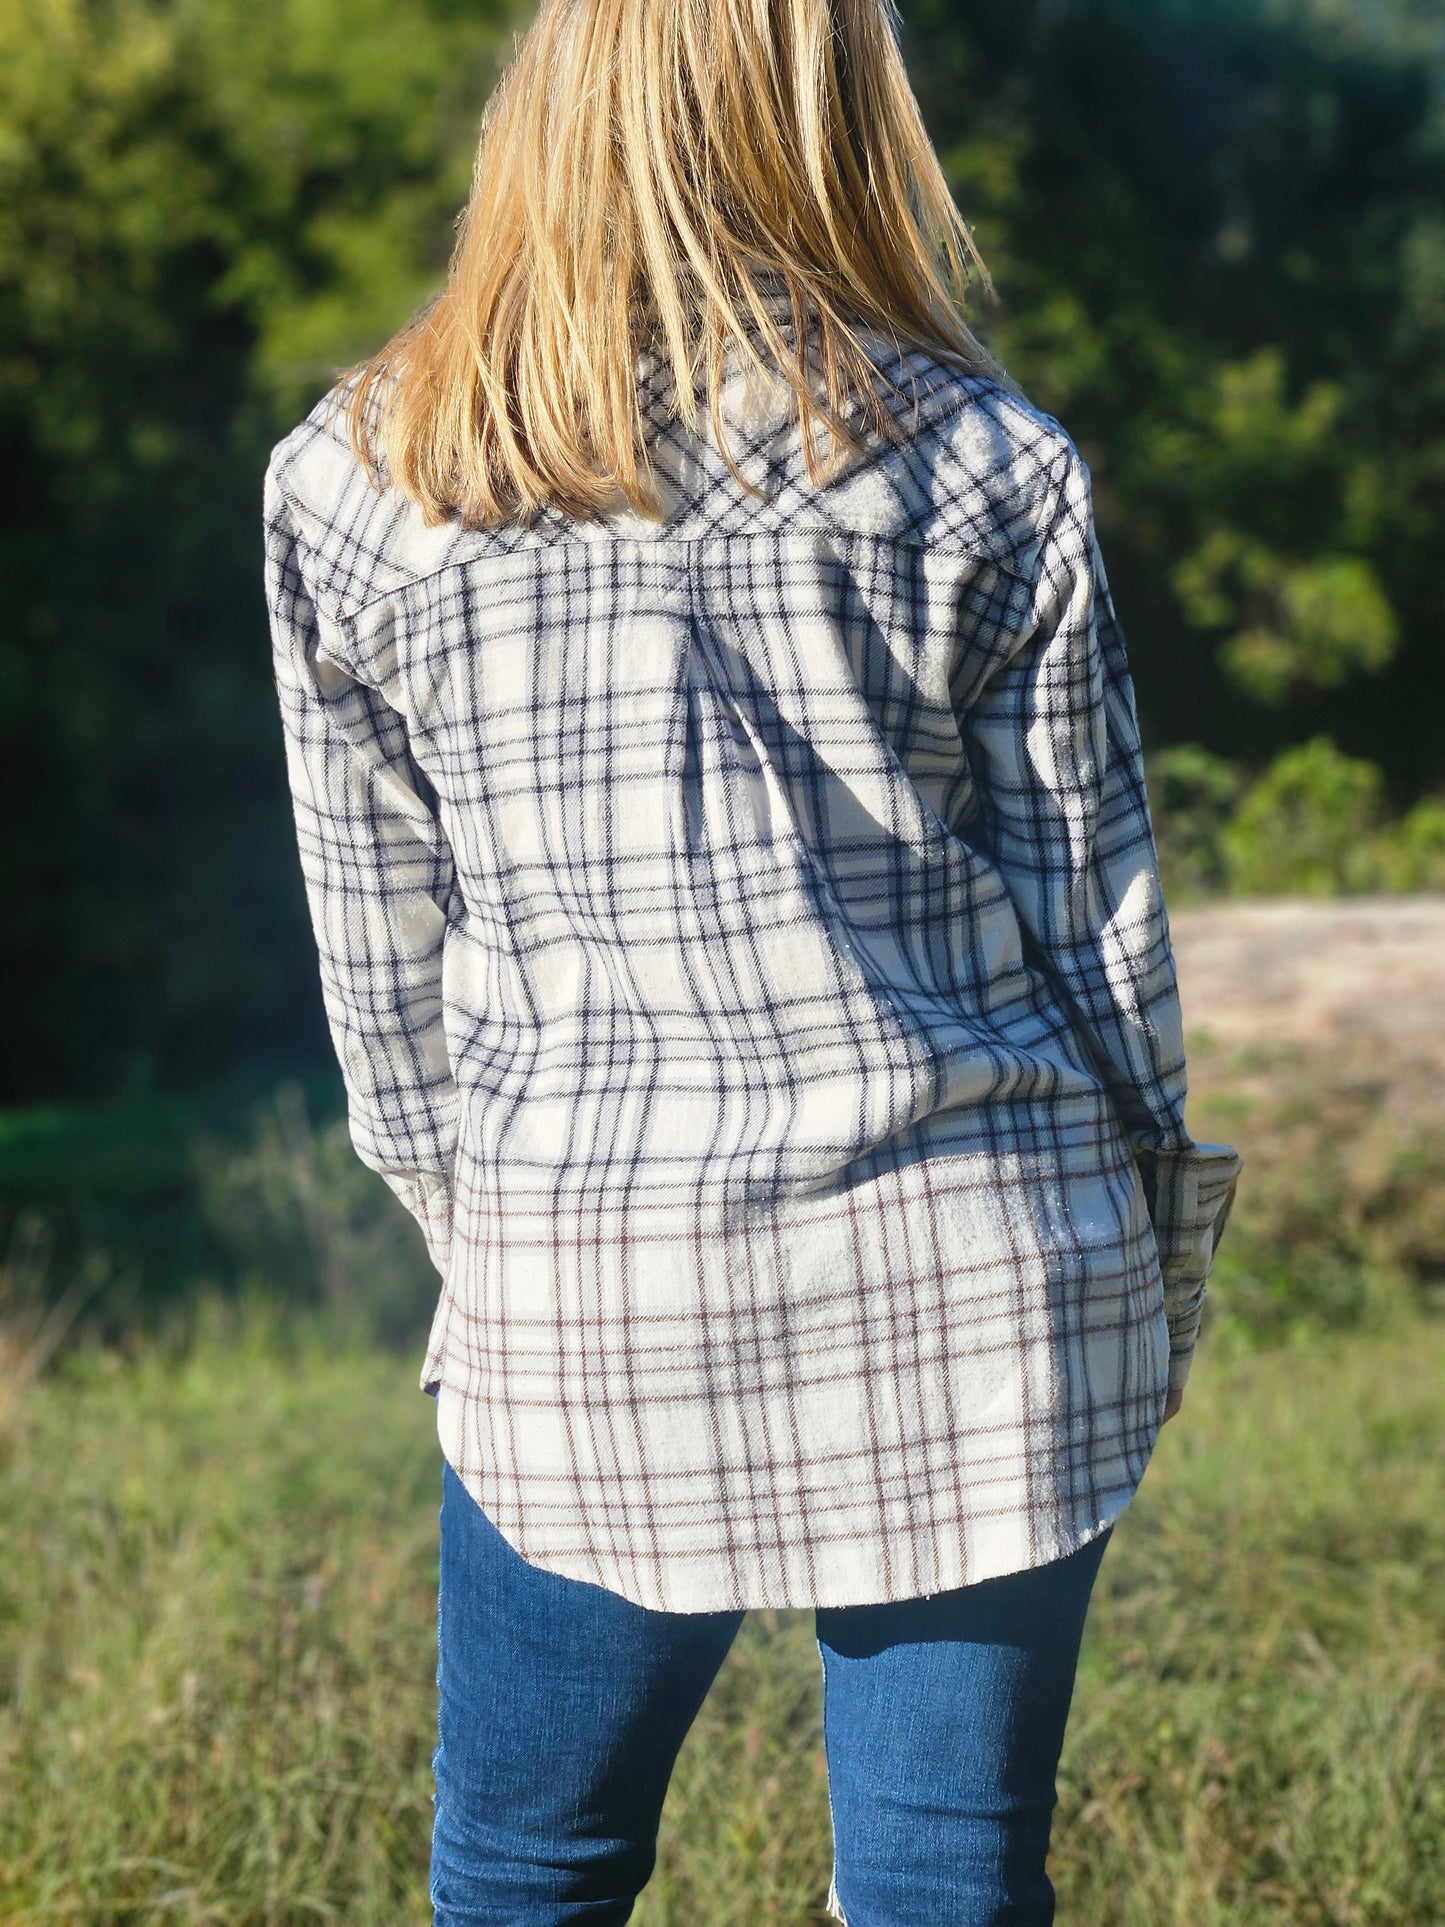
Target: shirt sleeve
{"points": [[379, 876], [1053, 742]]}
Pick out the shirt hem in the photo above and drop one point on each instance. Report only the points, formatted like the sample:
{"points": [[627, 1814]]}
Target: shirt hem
{"points": [[696, 1596]]}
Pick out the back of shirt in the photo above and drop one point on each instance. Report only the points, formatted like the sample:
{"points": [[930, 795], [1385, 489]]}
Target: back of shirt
{"points": [[743, 944]]}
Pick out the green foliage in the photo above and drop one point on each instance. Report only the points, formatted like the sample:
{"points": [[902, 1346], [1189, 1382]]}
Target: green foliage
{"points": [[130, 1184], [1413, 858], [1215, 232], [1306, 824], [217, 1648], [205, 207], [1295, 627], [1313, 822], [1191, 796]]}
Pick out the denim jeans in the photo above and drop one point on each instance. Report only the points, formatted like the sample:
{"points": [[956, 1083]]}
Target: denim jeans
{"points": [[562, 1707]]}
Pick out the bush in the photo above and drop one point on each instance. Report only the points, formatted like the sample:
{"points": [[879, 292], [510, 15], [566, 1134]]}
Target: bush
{"points": [[1191, 795], [1312, 823], [1309, 825], [1412, 856]]}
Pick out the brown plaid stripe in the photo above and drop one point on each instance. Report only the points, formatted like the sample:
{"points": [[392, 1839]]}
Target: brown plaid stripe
{"points": [[743, 944]]}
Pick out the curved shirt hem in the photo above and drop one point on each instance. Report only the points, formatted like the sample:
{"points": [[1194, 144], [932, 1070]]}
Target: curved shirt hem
{"points": [[697, 1595]]}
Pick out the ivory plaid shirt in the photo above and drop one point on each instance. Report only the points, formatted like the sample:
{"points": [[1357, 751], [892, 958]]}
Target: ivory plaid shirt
{"points": [[743, 945]]}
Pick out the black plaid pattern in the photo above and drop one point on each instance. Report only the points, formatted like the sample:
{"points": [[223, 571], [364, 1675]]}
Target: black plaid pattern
{"points": [[743, 944]]}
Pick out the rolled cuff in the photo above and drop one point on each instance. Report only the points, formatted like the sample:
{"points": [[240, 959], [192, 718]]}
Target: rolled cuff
{"points": [[428, 1197], [1190, 1194]]}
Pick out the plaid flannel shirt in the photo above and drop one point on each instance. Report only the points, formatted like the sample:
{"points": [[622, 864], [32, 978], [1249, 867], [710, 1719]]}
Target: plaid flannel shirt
{"points": [[743, 944]]}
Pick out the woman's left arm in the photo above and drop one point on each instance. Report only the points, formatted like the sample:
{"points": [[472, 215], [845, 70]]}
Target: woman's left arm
{"points": [[379, 875], [1052, 738]]}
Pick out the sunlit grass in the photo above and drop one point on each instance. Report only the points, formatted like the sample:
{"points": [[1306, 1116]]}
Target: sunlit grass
{"points": [[217, 1654]]}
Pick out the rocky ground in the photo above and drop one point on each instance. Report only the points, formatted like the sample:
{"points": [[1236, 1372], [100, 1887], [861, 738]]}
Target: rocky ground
{"points": [[1316, 1046], [1366, 973]]}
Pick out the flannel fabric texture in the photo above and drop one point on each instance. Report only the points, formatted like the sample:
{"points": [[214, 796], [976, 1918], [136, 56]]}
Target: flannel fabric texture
{"points": [[743, 944]]}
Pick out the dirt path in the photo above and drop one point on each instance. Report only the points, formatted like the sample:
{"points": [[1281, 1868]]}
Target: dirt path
{"points": [[1306, 971]]}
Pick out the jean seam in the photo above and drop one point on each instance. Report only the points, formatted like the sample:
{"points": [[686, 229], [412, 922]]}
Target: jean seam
{"points": [[832, 1906], [437, 1750]]}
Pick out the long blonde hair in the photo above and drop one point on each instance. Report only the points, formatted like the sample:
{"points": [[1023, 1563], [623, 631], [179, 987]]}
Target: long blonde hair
{"points": [[643, 166]]}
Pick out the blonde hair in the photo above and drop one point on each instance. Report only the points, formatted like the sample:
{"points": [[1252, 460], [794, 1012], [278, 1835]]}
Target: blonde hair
{"points": [[643, 166]]}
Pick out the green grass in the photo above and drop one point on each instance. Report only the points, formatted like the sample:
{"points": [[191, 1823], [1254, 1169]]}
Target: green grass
{"points": [[217, 1653]]}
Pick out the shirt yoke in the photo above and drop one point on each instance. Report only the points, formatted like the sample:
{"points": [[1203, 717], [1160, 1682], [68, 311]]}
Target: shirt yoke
{"points": [[979, 474]]}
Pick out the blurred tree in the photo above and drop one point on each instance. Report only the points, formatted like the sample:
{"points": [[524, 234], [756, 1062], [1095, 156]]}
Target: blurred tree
{"points": [[205, 207], [1306, 824], [1217, 229], [1192, 797]]}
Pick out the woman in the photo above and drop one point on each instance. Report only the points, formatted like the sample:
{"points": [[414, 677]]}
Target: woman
{"points": [[720, 802]]}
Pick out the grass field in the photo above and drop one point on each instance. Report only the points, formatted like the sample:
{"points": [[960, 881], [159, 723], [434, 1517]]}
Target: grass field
{"points": [[217, 1652]]}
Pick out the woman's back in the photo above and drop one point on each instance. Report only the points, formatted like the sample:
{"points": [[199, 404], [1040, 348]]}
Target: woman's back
{"points": [[743, 940]]}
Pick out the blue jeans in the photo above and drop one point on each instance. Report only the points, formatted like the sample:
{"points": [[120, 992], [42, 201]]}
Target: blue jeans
{"points": [[562, 1707]]}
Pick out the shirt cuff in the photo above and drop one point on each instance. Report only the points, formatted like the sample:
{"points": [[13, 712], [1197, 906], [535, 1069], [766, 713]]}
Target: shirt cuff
{"points": [[428, 1197], [1181, 1355], [1190, 1195]]}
